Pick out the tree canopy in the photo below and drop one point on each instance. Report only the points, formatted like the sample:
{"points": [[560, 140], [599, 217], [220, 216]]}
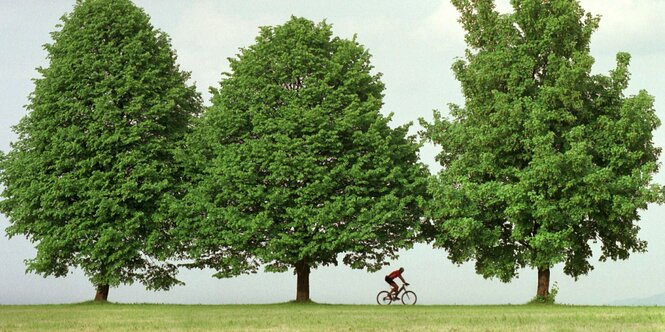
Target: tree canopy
{"points": [[293, 164], [94, 156], [545, 158]]}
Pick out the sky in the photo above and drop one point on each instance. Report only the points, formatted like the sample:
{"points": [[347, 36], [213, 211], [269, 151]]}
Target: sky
{"points": [[413, 44]]}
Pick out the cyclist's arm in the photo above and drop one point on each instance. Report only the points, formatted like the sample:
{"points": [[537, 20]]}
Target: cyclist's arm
{"points": [[403, 281]]}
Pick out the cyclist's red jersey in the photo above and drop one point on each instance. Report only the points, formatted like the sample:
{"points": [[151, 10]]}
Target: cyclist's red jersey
{"points": [[395, 274]]}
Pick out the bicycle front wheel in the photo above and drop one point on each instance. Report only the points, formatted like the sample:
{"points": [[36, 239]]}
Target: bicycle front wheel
{"points": [[409, 297], [383, 298]]}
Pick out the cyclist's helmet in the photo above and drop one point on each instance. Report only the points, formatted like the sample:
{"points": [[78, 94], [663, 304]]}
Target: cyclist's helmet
{"points": [[401, 269]]}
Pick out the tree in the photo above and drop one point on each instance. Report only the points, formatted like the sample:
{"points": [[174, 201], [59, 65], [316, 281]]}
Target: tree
{"points": [[94, 155], [293, 164], [544, 158]]}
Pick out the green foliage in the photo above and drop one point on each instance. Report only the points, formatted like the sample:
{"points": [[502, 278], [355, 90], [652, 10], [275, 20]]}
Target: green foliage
{"points": [[294, 164], [544, 158], [549, 299], [94, 155]]}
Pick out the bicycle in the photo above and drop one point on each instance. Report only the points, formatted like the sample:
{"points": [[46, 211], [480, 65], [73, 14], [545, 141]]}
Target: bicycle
{"points": [[408, 297]]}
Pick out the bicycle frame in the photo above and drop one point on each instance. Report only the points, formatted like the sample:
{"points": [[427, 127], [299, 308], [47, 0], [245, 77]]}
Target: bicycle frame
{"points": [[399, 291], [404, 295]]}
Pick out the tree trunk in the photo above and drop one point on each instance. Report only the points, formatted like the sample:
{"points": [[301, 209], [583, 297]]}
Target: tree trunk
{"points": [[102, 293], [302, 271], [543, 283]]}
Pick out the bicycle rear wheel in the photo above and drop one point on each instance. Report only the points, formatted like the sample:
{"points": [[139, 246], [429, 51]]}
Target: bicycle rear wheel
{"points": [[383, 298], [409, 297]]}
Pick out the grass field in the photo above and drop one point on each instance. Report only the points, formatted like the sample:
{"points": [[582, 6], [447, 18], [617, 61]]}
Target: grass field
{"points": [[318, 317]]}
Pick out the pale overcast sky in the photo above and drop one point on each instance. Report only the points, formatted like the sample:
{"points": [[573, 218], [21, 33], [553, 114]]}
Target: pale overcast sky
{"points": [[413, 44]]}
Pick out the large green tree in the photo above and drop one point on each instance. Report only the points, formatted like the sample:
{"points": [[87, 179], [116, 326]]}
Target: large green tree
{"points": [[293, 164], [544, 159], [94, 155]]}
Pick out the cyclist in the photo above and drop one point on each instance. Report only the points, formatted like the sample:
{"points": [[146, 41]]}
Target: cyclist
{"points": [[390, 280]]}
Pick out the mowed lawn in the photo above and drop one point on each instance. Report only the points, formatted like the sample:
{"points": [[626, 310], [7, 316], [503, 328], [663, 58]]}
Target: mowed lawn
{"points": [[318, 317]]}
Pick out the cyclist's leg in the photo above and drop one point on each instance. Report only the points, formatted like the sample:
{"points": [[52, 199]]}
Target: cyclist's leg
{"points": [[392, 284]]}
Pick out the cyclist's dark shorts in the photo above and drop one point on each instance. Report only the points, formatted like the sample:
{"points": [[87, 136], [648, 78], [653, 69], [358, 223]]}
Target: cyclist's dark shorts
{"points": [[390, 281]]}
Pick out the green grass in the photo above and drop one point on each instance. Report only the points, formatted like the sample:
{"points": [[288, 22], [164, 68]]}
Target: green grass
{"points": [[317, 317]]}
